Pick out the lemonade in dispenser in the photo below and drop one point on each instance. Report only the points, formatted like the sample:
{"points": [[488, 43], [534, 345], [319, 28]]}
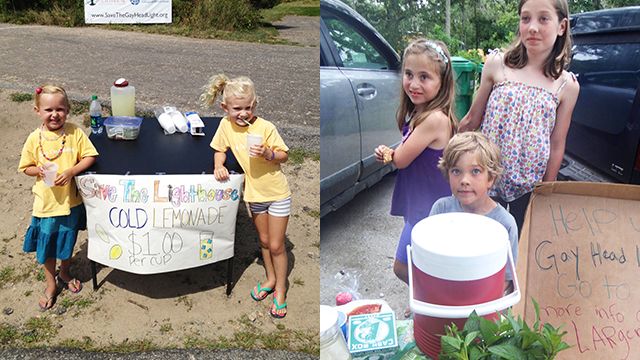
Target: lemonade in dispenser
{"points": [[123, 98]]}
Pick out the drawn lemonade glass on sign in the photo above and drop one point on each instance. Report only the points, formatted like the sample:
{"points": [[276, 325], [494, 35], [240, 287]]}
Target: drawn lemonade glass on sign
{"points": [[206, 245]]}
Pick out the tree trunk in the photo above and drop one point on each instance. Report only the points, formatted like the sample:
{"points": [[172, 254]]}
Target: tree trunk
{"points": [[447, 26]]}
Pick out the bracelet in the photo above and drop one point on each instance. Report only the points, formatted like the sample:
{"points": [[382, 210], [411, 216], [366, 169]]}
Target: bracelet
{"points": [[273, 155]]}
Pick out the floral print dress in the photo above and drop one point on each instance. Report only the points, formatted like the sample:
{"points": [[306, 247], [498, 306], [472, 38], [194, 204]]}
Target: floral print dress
{"points": [[519, 118]]}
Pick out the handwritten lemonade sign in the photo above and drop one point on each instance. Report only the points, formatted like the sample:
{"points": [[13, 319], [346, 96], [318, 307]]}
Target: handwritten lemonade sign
{"points": [[580, 259], [149, 224]]}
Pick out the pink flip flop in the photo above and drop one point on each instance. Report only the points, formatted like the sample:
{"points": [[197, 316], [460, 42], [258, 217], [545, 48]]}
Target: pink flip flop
{"points": [[74, 285]]}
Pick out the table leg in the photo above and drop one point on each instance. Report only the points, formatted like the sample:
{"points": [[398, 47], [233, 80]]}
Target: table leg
{"points": [[94, 274], [229, 275]]}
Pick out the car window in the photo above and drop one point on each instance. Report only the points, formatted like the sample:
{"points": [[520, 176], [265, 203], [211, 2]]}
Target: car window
{"points": [[613, 65], [609, 78], [354, 50]]}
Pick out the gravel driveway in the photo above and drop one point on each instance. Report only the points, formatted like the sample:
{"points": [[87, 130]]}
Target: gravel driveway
{"points": [[172, 70]]}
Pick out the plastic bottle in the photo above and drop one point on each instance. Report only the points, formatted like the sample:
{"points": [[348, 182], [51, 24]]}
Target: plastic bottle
{"points": [[332, 344], [95, 111], [123, 98]]}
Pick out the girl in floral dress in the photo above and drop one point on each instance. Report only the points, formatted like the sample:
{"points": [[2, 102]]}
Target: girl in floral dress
{"points": [[525, 101]]}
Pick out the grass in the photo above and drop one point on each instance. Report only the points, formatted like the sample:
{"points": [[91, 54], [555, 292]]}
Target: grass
{"points": [[40, 275], [252, 337], [297, 156], [186, 301], [21, 97], [165, 328], [77, 303], [85, 344], [9, 275], [299, 8], [38, 329], [8, 334], [127, 346]]}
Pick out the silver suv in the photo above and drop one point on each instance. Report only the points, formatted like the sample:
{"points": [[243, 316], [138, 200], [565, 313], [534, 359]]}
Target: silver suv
{"points": [[360, 84]]}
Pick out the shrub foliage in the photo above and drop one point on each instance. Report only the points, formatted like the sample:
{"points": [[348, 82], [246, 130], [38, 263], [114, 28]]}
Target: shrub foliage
{"points": [[226, 15]]}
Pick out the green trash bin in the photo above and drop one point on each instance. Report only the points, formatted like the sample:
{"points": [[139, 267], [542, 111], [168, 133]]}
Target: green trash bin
{"points": [[464, 72]]}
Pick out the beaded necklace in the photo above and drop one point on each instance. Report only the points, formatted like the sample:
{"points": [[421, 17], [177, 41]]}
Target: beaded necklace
{"points": [[64, 140]]}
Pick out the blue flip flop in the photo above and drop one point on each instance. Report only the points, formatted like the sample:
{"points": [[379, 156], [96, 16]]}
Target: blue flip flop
{"points": [[278, 307], [257, 297]]}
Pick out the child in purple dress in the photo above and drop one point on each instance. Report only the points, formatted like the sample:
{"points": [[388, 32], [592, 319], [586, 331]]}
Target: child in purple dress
{"points": [[427, 122]]}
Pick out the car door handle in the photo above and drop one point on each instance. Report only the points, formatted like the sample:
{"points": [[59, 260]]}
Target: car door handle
{"points": [[367, 91]]}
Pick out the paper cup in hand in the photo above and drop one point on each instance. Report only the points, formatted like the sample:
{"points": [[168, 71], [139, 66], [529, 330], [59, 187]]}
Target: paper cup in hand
{"points": [[50, 172], [253, 139]]}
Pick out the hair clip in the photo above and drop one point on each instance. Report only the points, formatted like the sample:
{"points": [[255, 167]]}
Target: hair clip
{"points": [[438, 49], [38, 90]]}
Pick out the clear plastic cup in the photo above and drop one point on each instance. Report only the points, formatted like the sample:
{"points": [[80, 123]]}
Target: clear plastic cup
{"points": [[50, 170], [253, 139]]}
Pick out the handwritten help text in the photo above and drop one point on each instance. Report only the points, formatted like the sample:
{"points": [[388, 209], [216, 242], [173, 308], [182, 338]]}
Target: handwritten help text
{"points": [[589, 265]]}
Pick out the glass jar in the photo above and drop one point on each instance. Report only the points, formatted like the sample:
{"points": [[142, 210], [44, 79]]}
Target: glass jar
{"points": [[332, 343]]}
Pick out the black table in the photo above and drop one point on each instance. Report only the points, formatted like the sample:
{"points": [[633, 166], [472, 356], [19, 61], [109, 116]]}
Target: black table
{"points": [[153, 152]]}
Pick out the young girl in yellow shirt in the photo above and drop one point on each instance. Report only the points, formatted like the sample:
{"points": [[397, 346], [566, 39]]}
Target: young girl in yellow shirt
{"points": [[58, 212], [265, 187]]}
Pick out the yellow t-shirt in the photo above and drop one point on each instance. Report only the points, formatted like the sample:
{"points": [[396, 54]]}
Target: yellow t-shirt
{"points": [[55, 200], [263, 180]]}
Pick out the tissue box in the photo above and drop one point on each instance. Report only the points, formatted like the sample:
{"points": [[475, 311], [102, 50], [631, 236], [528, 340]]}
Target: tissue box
{"points": [[122, 127], [373, 334]]}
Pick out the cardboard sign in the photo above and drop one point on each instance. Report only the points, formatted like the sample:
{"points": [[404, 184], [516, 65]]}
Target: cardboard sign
{"points": [[580, 260], [148, 224], [127, 11]]}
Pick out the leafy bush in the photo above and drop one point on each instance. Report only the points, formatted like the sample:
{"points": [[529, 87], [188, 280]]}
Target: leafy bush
{"points": [[205, 15], [507, 338], [264, 4]]}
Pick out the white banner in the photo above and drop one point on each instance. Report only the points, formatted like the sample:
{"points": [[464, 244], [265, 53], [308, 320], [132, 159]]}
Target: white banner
{"points": [[127, 11], [147, 224]]}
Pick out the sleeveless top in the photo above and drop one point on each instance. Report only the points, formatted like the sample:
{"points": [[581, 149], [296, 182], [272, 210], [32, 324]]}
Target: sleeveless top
{"points": [[519, 118], [418, 185]]}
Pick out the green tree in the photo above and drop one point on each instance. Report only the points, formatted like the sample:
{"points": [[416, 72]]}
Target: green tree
{"points": [[484, 24]]}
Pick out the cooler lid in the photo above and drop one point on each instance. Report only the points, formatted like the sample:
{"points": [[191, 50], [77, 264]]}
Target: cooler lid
{"points": [[459, 246]]}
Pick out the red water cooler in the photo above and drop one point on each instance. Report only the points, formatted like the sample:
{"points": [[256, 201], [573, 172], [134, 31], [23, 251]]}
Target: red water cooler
{"points": [[457, 264]]}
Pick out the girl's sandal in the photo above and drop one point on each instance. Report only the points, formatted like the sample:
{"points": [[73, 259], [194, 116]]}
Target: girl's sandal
{"points": [[49, 301], [276, 307], [74, 285], [256, 295]]}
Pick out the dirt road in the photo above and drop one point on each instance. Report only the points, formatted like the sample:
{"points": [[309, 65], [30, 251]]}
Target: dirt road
{"points": [[168, 70]]}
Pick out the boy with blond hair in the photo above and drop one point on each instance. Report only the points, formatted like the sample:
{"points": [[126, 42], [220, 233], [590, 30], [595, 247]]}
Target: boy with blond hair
{"points": [[471, 164]]}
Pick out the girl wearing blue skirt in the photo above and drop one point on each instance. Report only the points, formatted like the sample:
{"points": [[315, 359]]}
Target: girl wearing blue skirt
{"points": [[54, 153]]}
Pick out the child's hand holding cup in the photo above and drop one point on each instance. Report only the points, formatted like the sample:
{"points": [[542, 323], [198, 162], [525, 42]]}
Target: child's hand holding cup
{"points": [[50, 171], [253, 140]]}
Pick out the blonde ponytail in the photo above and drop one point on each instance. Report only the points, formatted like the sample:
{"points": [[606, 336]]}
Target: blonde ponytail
{"points": [[214, 88]]}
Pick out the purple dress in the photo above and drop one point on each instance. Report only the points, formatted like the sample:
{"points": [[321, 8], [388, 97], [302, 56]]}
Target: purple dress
{"points": [[418, 185]]}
